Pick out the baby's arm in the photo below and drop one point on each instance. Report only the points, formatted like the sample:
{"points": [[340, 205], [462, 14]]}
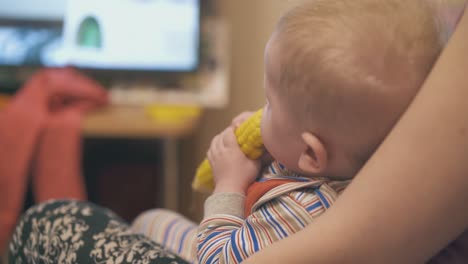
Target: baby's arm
{"points": [[225, 236]]}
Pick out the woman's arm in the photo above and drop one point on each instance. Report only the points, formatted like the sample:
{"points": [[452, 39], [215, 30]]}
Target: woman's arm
{"points": [[411, 198]]}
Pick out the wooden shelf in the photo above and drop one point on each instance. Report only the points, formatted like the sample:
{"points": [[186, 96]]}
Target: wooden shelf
{"points": [[132, 121]]}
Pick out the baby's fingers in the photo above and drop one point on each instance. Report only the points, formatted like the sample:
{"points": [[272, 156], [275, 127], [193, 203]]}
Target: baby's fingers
{"points": [[229, 138], [216, 146]]}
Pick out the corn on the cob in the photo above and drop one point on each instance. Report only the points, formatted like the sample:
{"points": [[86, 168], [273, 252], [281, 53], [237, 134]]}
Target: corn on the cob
{"points": [[250, 141]]}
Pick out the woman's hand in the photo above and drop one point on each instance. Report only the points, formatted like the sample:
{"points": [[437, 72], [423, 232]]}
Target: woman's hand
{"points": [[53, 89], [232, 170]]}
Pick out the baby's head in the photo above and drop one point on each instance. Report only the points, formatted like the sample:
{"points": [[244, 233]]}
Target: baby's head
{"points": [[338, 75]]}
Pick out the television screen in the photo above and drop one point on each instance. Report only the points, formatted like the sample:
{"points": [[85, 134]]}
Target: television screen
{"points": [[155, 35]]}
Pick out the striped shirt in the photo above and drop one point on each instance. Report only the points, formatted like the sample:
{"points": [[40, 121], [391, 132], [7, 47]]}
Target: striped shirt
{"points": [[280, 212]]}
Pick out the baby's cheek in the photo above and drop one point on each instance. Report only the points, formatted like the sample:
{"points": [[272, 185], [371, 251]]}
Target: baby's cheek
{"points": [[273, 146], [281, 150], [270, 138], [267, 139]]}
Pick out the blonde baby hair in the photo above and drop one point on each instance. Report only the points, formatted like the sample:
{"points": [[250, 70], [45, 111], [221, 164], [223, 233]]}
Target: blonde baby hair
{"points": [[349, 68]]}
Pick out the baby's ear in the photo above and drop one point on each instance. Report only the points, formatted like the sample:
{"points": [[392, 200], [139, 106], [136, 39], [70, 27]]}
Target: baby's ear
{"points": [[314, 158]]}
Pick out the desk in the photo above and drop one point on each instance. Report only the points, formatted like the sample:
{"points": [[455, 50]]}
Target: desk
{"points": [[132, 122]]}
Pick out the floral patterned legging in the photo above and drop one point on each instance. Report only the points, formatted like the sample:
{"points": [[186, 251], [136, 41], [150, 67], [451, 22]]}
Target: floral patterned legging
{"points": [[79, 232]]}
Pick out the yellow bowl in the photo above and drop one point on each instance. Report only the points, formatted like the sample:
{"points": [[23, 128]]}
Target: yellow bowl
{"points": [[172, 113]]}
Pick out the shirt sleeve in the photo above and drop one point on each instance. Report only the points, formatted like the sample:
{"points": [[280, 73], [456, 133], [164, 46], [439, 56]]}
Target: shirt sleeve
{"points": [[225, 203], [228, 238]]}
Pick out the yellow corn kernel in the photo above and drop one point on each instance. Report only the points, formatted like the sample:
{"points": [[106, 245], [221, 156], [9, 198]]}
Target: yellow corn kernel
{"points": [[250, 141]]}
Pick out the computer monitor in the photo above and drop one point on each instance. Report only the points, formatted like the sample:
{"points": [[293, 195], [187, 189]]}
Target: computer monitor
{"points": [[128, 35]]}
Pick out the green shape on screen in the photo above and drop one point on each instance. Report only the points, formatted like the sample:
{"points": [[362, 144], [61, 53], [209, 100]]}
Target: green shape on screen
{"points": [[89, 33]]}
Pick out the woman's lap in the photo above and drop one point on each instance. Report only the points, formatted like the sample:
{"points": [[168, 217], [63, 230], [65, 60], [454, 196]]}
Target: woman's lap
{"points": [[80, 232]]}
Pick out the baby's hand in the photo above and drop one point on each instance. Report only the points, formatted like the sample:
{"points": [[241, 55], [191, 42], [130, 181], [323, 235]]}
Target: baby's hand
{"points": [[232, 170], [236, 121]]}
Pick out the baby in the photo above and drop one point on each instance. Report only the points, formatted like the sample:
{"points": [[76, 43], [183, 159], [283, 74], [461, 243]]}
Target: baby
{"points": [[338, 75]]}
